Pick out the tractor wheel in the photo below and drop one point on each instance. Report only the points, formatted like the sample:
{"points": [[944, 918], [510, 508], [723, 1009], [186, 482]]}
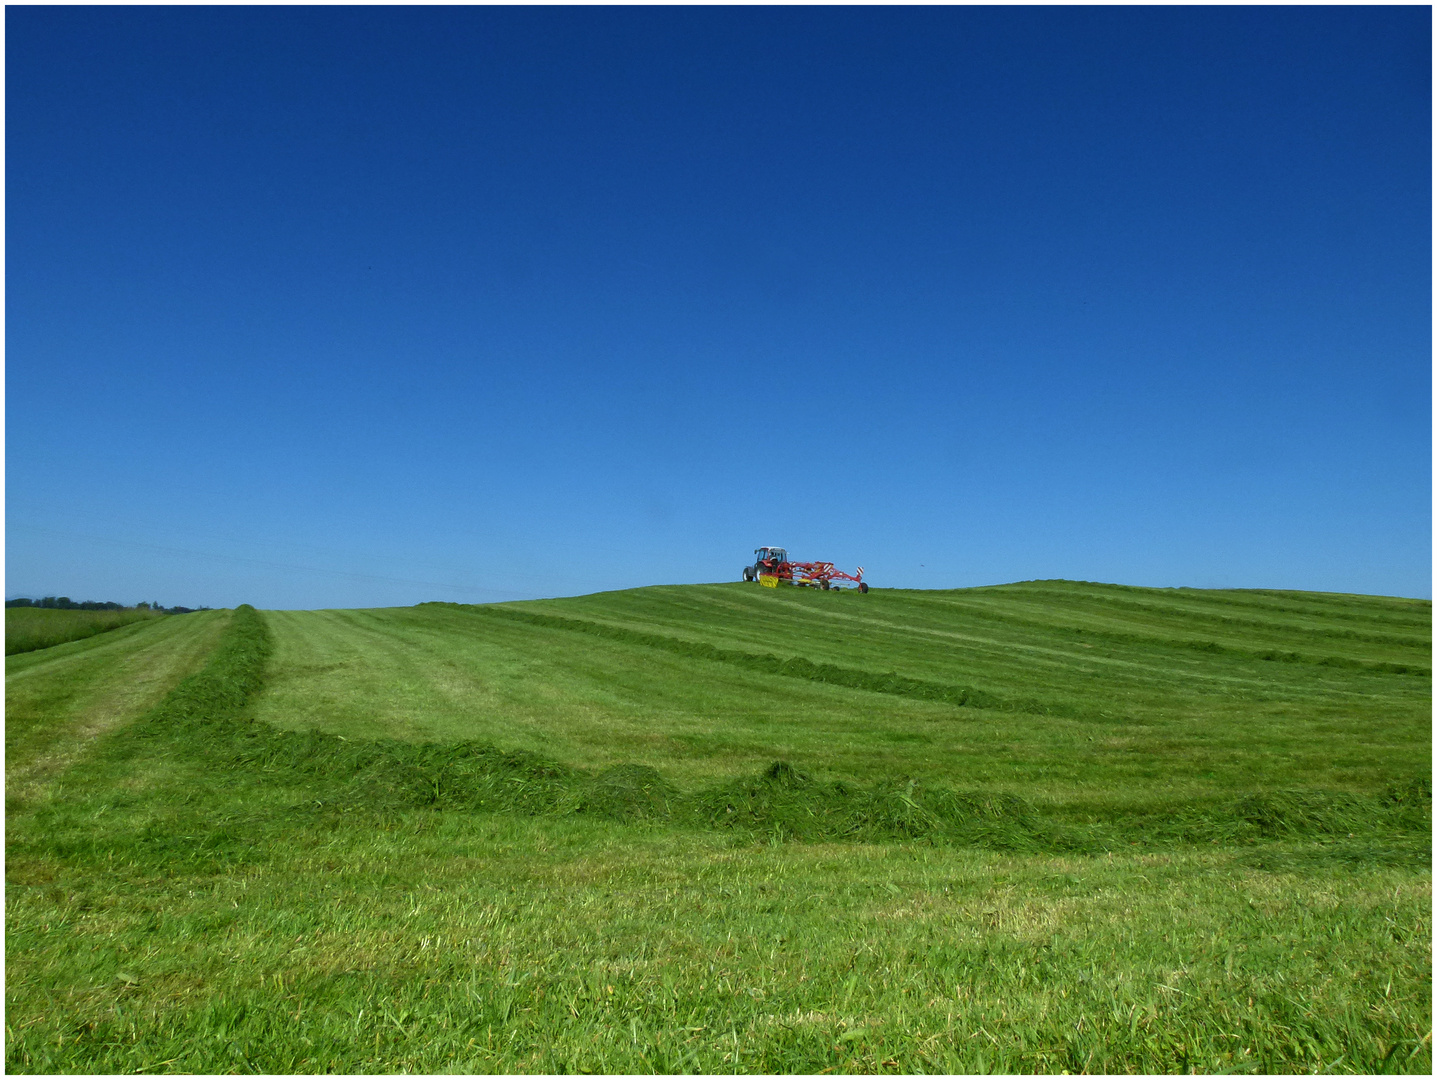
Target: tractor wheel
{"points": [[863, 586]]}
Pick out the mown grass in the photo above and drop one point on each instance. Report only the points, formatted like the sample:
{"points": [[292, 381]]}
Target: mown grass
{"points": [[445, 942], [59, 700], [27, 629], [780, 802], [714, 683], [202, 891]]}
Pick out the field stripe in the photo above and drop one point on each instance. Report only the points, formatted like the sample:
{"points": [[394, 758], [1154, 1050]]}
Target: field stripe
{"points": [[1382, 614], [1039, 658], [1383, 667], [1152, 641], [795, 667]]}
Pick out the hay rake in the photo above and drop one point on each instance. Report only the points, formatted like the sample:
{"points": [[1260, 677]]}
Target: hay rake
{"points": [[772, 567]]}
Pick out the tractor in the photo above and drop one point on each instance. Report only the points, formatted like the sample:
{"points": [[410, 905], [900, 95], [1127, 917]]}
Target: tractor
{"points": [[766, 560], [771, 566]]}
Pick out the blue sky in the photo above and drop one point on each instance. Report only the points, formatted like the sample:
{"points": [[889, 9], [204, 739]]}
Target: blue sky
{"points": [[339, 307]]}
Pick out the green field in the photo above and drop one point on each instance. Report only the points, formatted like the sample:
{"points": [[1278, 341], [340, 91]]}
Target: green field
{"points": [[1039, 827], [27, 629]]}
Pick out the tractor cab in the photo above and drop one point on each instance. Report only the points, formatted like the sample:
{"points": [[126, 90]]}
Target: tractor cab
{"points": [[770, 557], [766, 560]]}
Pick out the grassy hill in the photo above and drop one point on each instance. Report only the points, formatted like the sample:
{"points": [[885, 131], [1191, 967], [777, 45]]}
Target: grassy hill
{"points": [[1034, 827], [1051, 688]]}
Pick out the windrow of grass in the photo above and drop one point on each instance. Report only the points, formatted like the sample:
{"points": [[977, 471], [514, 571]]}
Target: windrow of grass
{"points": [[1148, 728], [206, 716], [27, 629], [890, 682]]}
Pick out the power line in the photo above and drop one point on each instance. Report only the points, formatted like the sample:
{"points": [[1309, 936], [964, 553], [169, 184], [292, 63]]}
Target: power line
{"points": [[265, 563]]}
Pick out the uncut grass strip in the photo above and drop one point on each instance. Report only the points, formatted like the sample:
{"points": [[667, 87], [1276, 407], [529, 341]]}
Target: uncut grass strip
{"points": [[32, 629], [795, 667]]}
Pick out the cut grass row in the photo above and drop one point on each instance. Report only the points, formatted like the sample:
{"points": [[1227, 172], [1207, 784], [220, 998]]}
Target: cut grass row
{"points": [[596, 694], [1022, 643], [1120, 633], [27, 629], [205, 717]]}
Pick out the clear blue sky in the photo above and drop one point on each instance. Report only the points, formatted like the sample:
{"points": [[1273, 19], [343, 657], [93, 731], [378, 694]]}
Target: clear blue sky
{"points": [[337, 307]]}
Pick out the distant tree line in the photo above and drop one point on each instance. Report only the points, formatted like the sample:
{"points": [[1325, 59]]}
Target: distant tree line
{"points": [[64, 603]]}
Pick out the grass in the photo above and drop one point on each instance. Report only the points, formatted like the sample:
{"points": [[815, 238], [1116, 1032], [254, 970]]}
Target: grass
{"points": [[60, 700], [715, 682], [27, 629], [592, 851]]}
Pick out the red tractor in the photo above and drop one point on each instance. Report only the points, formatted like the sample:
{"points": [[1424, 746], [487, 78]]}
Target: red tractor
{"points": [[771, 566]]}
